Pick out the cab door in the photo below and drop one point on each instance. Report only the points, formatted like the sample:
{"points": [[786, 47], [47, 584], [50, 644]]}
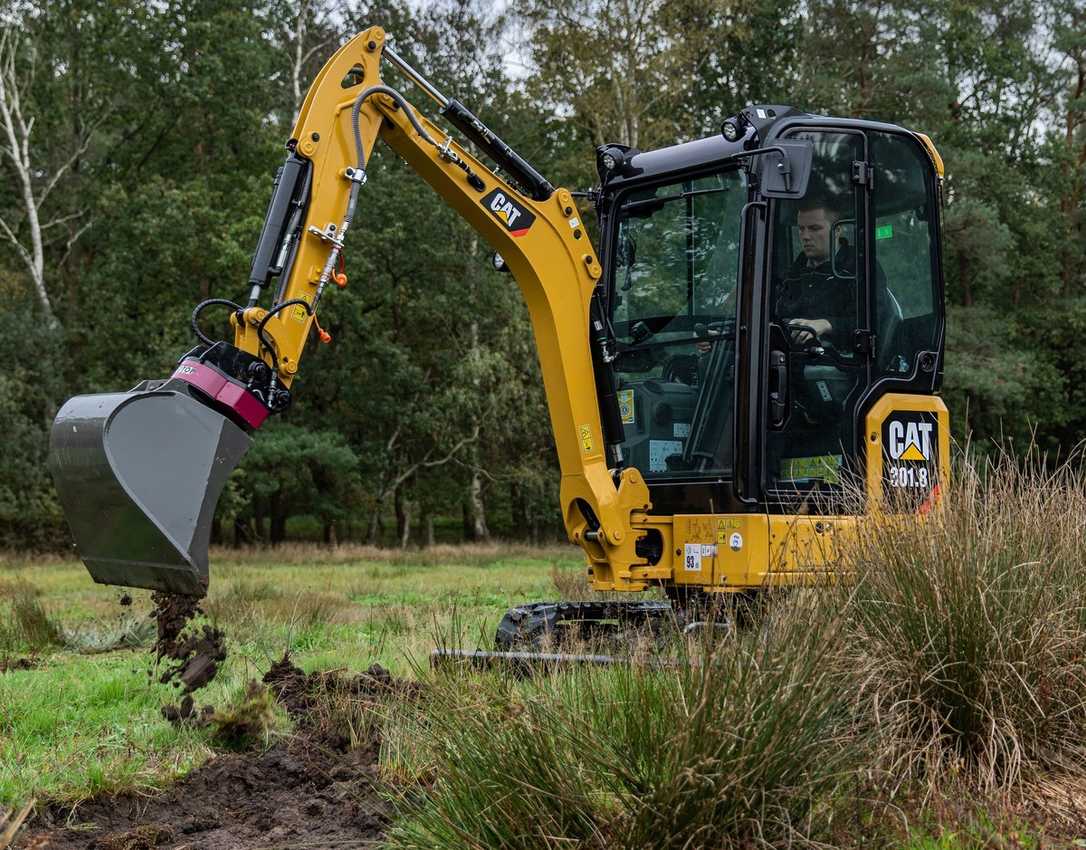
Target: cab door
{"points": [[817, 334]]}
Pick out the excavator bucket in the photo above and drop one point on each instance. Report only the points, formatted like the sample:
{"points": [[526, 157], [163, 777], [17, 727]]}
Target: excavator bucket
{"points": [[138, 475]]}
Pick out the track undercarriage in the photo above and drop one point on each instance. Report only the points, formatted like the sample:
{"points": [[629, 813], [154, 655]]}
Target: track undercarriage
{"points": [[593, 633]]}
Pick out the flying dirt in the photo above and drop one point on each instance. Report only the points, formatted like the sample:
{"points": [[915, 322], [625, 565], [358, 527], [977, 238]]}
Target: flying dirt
{"points": [[190, 655]]}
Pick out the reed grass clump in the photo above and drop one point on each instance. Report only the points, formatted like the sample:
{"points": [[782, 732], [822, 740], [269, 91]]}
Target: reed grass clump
{"points": [[27, 626], [737, 746], [966, 626]]}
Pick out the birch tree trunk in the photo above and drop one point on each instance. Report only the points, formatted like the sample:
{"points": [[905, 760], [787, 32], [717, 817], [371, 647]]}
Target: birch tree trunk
{"points": [[34, 179]]}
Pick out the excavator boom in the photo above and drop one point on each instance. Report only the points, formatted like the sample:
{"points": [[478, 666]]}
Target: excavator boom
{"points": [[139, 473]]}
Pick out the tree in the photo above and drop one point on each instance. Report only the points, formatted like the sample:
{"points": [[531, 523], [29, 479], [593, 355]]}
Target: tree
{"points": [[629, 70], [36, 169], [292, 471]]}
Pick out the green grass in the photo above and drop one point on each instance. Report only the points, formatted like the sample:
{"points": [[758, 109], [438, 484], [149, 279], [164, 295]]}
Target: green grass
{"points": [[84, 723]]}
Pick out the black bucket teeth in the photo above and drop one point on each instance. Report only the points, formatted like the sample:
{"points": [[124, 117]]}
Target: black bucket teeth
{"points": [[138, 475]]}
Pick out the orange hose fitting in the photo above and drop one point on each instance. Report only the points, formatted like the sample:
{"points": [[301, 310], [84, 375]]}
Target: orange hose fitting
{"points": [[322, 334]]}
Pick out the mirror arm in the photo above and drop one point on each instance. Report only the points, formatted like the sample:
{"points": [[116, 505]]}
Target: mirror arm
{"points": [[784, 166]]}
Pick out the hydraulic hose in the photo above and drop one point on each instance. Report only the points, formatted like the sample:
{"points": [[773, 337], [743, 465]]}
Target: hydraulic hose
{"points": [[400, 101], [195, 321], [260, 332]]}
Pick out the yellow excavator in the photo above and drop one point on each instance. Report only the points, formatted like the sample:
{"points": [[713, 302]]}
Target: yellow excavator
{"points": [[744, 370]]}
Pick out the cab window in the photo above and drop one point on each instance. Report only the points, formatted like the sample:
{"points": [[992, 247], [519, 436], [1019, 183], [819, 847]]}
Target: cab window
{"points": [[905, 317]]}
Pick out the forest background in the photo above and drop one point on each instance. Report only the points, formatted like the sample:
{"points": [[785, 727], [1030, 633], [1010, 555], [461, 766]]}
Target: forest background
{"points": [[138, 143]]}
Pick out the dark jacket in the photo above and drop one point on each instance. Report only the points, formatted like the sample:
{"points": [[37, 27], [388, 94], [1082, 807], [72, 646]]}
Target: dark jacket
{"points": [[813, 292]]}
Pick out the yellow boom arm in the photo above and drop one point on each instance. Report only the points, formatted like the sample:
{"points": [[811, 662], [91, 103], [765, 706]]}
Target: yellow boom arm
{"points": [[544, 243]]}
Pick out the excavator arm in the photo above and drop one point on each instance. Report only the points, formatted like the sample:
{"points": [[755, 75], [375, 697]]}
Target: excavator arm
{"points": [[139, 473]]}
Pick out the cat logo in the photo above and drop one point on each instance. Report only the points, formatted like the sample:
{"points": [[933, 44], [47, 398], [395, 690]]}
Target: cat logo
{"points": [[910, 470], [516, 218], [910, 440]]}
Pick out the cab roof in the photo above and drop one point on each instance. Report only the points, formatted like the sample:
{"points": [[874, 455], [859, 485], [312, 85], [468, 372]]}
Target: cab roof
{"points": [[764, 123]]}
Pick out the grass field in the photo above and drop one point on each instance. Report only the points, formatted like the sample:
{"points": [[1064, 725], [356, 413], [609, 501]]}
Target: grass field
{"points": [[85, 720], [935, 701]]}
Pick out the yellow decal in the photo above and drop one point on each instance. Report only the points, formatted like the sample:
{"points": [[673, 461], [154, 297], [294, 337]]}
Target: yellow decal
{"points": [[300, 314], [912, 453], [626, 406], [722, 526], [586, 438]]}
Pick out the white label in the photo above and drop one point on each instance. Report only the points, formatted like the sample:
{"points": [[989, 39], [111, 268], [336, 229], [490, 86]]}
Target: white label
{"points": [[824, 391], [708, 550], [735, 541], [692, 557], [574, 223], [660, 451], [681, 430]]}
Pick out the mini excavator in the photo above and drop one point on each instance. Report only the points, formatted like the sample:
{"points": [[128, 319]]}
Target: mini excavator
{"points": [[744, 370]]}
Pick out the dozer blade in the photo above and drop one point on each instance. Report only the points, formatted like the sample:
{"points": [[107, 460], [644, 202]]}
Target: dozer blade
{"points": [[138, 475]]}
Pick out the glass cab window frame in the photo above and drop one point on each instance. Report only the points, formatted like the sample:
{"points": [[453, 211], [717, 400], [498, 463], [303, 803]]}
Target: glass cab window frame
{"points": [[672, 296], [822, 474]]}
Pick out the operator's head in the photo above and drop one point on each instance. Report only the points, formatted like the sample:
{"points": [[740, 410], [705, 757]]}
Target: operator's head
{"points": [[816, 218]]}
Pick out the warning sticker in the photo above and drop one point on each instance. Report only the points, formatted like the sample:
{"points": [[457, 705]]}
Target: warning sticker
{"points": [[586, 438], [626, 406], [660, 451], [299, 313], [692, 557]]}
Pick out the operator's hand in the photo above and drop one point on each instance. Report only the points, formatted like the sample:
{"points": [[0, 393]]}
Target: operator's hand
{"points": [[802, 335]]}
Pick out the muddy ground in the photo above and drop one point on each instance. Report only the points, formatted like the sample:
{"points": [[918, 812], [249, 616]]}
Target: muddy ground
{"points": [[316, 789]]}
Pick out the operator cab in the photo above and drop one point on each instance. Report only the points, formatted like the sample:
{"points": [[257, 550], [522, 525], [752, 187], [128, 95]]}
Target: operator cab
{"points": [[753, 323]]}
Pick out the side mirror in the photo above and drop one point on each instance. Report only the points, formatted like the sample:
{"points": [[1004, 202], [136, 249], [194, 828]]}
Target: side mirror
{"points": [[843, 248], [784, 170]]}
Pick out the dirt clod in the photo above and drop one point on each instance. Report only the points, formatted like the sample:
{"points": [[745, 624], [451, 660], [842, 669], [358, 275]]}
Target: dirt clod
{"points": [[196, 653], [185, 713], [125, 600]]}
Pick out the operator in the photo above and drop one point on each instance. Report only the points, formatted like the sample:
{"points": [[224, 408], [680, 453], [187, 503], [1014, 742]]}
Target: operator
{"points": [[811, 298]]}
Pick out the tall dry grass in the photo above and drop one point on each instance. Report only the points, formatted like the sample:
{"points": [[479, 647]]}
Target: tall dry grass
{"points": [[736, 747], [25, 625], [967, 628]]}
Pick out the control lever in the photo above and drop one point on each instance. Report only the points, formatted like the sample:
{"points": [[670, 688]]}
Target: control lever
{"points": [[778, 366]]}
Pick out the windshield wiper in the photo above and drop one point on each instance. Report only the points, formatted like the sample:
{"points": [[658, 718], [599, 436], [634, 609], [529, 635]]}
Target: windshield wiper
{"points": [[658, 203]]}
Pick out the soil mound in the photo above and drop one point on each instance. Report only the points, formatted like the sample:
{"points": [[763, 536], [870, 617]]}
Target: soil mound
{"points": [[320, 702], [314, 790], [294, 794]]}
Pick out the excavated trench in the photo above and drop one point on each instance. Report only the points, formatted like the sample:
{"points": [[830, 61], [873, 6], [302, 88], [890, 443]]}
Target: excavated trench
{"points": [[317, 788]]}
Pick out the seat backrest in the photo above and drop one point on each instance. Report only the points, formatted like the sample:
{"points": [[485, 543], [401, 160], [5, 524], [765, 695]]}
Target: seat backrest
{"points": [[890, 318]]}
